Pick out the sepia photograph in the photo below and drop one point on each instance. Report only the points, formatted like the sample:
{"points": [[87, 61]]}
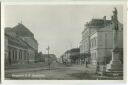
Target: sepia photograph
{"points": [[63, 42]]}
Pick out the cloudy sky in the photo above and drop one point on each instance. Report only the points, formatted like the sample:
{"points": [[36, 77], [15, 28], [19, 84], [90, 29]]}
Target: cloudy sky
{"points": [[58, 26]]}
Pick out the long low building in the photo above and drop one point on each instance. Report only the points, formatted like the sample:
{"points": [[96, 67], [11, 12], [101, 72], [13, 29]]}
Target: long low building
{"points": [[18, 49]]}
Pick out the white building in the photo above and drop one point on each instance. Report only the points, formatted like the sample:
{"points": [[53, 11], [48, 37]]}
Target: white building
{"points": [[97, 38]]}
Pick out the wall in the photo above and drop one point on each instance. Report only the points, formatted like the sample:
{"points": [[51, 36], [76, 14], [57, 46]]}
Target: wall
{"points": [[93, 49], [31, 55], [85, 46]]}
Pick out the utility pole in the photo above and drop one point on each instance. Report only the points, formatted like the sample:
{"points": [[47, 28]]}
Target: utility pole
{"points": [[48, 57], [105, 58]]}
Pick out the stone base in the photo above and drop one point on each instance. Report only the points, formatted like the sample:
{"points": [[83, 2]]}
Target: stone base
{"points": [[115, 64]]}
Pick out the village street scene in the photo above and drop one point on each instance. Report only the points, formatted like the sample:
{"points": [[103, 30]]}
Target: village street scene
{"points": [[63, 42]]}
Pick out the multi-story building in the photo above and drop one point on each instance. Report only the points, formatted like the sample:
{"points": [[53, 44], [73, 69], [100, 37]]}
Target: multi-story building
{"points": [[18, 50], [85, 42], [71, 56], [97, 39]]}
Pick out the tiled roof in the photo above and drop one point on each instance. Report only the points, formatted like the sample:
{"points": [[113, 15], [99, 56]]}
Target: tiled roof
{"points": [[21, 30], [17, 33], [14, 39], [98, 22]]}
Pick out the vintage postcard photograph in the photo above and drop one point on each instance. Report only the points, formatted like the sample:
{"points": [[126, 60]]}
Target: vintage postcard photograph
{"points": [[63, 42]]}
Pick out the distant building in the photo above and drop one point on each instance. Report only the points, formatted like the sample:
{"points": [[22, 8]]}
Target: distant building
{"points": [[46, 57], [66, 57], [40, 57], [97, 40], [71, 56], [59, 60], [50, 57], [20, 45]]}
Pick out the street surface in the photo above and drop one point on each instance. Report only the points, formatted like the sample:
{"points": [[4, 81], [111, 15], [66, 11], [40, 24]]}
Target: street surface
{"points": [[57, 71]]}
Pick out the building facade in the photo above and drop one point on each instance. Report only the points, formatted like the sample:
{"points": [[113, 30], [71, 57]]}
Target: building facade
{"points": [[17, 50], [46, 57], [100, 37], [71, 56], [49, 57]]}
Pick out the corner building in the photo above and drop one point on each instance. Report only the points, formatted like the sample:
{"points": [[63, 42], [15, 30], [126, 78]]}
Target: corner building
{"points": [[97, 39]]}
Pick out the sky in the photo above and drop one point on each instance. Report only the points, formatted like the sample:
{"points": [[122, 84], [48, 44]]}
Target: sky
{"points": [[57, 26]]}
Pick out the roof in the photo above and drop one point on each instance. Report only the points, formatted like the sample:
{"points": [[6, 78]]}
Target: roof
{"points": [[17, 33], [21, 30], [68, 51], [98, 23], [75, 50], [14, 39]]}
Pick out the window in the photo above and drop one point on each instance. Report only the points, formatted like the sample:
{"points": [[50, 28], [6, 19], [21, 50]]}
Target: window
{"points": [[13, 54], [94, 41], [19, 55], [95, 55], [24, 55], [16, 55], [91, 43]]}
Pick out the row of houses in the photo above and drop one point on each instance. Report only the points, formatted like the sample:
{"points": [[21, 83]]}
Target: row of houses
{"points": [[97, 42]]}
